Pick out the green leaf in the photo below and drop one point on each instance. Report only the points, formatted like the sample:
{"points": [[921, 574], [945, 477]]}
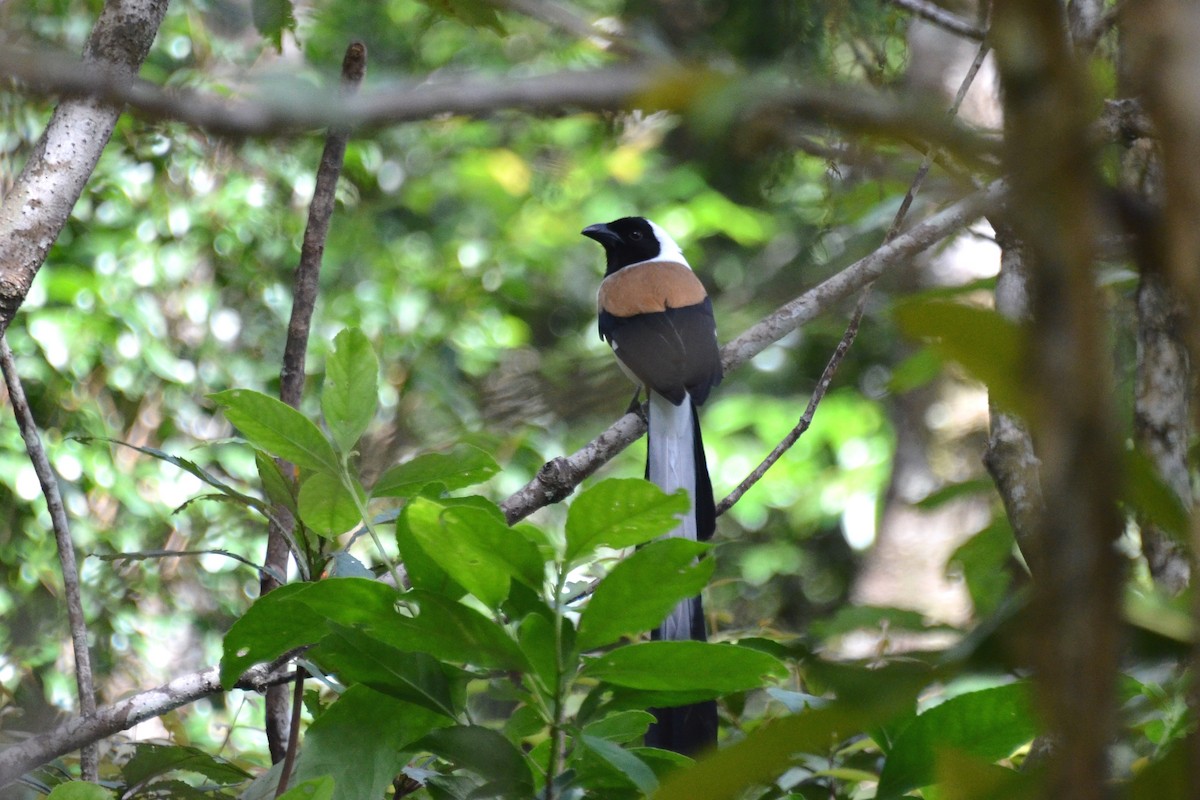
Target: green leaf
{"points": [[321, 788], [982, 559], [361, 742], [964, 777], [622, 727], [623, 761], [422, 570], [989, 724], [450, 631], [327, 507], [296, 614], [989, 346], [463, 466], [272, 18], [850, 619], [536, 636], [79, 790], [766, 752], [642, 590], [685, 666], [1147, 492], [152, 760], [351, 390], [620, 512], [474, 548], [486, 753], [356, 657], [277, 487], [274, 624], [474, 13], [279, 429]]}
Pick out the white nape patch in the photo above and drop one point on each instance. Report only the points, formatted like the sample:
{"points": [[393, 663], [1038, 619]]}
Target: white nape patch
{"points": [[668, 249]]}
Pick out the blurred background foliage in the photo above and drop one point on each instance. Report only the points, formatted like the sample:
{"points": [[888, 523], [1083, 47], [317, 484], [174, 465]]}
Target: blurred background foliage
{"points": [[455, 246]]}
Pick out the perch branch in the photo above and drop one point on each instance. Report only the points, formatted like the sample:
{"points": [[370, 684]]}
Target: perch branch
{"points": [[76, 732], [89, 759]]}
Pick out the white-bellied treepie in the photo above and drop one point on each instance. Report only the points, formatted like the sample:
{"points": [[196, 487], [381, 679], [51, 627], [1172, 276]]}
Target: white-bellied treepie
{"points": [[658, 319]]}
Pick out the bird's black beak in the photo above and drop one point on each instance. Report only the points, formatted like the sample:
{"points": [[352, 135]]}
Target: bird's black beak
{"points": [[601, 233]]}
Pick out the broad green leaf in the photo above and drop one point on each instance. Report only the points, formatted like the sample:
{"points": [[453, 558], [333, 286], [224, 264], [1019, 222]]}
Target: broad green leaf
{"points": [[296, 614], [766, 752], [986, 344], [423, 571], [850, 619], [685, 666], [279, 429], [326, 507], [486, 753], [350, 393], [474, 548], [1147, 492], [625, 762], [963, 777], [989, 724], [620, 512], [277, 487], [274, 624], [79, 790], [642, 590], [622, 727], [982, 559], [450, 631], [463, 466], [357, 657], [321, 788], [152, 760], [361, 741], [536, 636], [272, 18]]}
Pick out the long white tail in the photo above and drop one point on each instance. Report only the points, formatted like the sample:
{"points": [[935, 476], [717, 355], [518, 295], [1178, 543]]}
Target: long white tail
{"points": [[670, 465]]}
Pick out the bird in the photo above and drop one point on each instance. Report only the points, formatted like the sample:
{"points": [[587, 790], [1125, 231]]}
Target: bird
{"points": [[657, 317]]}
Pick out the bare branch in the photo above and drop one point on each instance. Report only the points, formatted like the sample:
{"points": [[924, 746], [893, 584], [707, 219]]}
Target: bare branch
{"points": [[18, 759], [942, 18], [89, 759], [33, 213], [559, 477]]}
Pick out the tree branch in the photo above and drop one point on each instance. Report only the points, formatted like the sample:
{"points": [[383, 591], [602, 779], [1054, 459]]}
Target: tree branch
{"points": [[77, 732], [282, 110], [559, 477], [942, 18], [33, 213], [89, 759]]}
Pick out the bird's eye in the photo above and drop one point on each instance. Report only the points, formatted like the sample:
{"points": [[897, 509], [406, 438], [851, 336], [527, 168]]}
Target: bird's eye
{"points": [[635, 235]]}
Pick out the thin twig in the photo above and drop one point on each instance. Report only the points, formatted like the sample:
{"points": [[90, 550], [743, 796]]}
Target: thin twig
{"points": [[88, 757], [818, 394], [291, 374], [942, 18], [289, 761], [145, 555]]}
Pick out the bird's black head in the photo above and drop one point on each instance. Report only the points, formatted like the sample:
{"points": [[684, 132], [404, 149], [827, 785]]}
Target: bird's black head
{"points": [[629, 240]]}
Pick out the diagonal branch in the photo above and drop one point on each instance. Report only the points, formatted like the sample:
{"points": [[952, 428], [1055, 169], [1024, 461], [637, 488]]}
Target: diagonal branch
{"points": [[76, 732], [34, 212], [948, 20], [559, 477]]}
